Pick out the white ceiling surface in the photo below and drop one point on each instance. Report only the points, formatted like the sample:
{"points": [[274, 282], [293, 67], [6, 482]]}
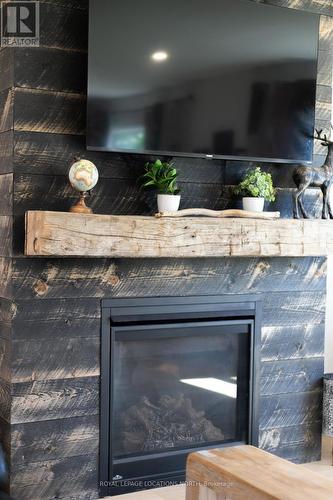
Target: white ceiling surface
{"points": [[195, 33]]}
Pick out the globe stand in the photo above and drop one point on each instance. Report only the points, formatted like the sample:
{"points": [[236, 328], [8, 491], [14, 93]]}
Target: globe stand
{"points": [[80, 207]]}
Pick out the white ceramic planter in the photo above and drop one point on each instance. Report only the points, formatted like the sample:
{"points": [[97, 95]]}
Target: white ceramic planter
{"points": [[168, 202], [253, 204]]}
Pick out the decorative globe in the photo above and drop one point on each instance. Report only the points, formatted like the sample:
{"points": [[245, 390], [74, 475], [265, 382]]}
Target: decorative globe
{"points": [[83, 175]]}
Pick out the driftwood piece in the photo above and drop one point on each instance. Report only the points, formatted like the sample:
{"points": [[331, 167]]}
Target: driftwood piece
{"points": [[206, 212]]}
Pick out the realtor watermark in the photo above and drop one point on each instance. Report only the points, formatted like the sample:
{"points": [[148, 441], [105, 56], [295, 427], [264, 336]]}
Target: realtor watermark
{"points": [[155, 483], [19, 24]]}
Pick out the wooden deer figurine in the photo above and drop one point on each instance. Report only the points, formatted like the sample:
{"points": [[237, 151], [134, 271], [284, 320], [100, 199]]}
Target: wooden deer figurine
{"points": [[322, 177]]}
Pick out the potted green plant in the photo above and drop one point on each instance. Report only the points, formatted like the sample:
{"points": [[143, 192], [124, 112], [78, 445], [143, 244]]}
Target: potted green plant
{"points": [[255, 188], [163, 177]]}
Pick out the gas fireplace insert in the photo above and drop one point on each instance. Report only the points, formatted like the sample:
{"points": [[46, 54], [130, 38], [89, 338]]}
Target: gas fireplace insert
{"points": [[178, 374]]}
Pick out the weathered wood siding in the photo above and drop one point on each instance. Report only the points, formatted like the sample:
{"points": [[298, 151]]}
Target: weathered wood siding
{"points": [[56, 339], [50, 309], [6, 233]]}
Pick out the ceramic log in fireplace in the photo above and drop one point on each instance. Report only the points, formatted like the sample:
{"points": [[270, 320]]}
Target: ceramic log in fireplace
{"points": [[178, 374]]}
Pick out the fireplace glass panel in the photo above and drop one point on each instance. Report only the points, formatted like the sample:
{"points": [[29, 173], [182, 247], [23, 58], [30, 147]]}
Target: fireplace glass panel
{"points": [[179, 386]]}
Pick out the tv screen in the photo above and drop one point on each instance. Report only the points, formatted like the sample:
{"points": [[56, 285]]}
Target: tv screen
{"points": [[221, 78]]}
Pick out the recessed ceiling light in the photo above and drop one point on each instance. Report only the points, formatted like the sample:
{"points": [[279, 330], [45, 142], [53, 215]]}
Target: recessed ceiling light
{"points": [[159, 56]]}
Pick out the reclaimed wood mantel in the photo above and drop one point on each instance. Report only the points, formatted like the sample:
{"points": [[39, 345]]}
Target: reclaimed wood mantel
{"points": [[62, 234]]}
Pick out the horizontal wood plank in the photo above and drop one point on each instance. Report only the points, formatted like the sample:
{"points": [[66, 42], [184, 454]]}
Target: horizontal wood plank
{"points": [[6, 194], [318, 160], [51, 154], [323, 110], [319, 149], [83, 278], [282, 175], [7, 312], [6, 148], [5, 360], [324, 93], [315, 6], [287, 376], [298, 444], [56, 346], [6, 110], [56, 319], [53, 112], [324, 73], [313, 201], [5, 400], [54, 399], [291, 308], [326, 31], [6, 232], [5, 438], [54, 358], [6, 277], [291, 409], [69, 4], [5, 329], [292, 342], [51, 69], [7, 68], [66, 234], [297, 314], [68, 478], [54, 439], [63, 25], [118, 195]]}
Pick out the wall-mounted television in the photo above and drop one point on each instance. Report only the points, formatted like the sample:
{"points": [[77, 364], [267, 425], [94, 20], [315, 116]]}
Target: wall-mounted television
{"points": [[210, 78]]}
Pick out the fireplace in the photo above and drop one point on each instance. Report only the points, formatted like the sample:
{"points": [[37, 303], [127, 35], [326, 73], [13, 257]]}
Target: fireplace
{"points": [[178, 374]]}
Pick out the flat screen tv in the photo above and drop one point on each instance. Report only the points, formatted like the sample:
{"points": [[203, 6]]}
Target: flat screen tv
{"points": [[211, 78]]}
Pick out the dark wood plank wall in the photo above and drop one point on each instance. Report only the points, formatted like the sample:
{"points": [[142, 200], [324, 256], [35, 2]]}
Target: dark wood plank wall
{"points": [[50, 313], [6, 231], [55, 368]]}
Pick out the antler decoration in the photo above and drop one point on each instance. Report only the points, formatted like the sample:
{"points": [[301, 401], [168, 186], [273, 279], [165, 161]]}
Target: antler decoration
{"points": [[323, 139]]}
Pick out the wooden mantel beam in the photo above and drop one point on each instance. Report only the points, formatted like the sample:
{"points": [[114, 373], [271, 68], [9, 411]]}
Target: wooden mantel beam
{"points": [[60, 234]]}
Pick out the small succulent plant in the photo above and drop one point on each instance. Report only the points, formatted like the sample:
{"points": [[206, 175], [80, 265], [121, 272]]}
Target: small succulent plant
{"points": [[256, 184], [161, 176]]}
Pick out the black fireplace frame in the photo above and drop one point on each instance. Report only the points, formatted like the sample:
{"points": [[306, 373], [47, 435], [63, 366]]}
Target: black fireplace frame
{"points": [[159, 310]]}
